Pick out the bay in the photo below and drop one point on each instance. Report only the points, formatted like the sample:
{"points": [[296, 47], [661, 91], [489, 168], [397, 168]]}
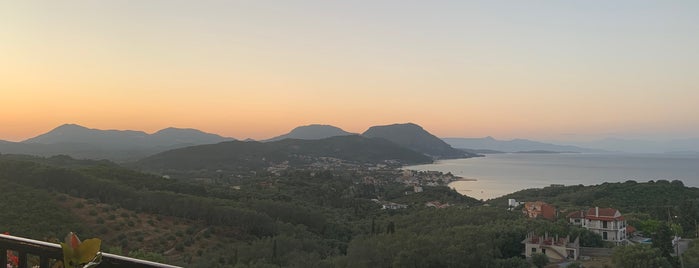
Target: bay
{"points": [[499, 174]]}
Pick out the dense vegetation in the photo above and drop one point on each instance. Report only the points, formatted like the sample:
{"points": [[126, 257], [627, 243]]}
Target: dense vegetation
{"points": [[301, 217], [314, 214], [644, 205]]}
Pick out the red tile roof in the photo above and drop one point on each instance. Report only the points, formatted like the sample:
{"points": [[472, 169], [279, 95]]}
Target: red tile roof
{"points": [[603, 212], [596, 214], [592, 217]]}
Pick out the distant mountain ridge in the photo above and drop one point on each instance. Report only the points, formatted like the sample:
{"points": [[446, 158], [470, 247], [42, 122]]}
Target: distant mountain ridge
{"points": [[312, 132], [511, 146], [125, 139], [416, 138], [72, 133], [117, 145], [682, 146]]}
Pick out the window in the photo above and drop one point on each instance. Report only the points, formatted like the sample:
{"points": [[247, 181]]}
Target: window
{"points": [[604, 235], [604, 224], [533, 250], [543, 251]]}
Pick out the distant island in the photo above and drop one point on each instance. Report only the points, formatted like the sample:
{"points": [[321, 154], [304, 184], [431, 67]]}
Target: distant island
{"points": [[545, 152], [492, 145]]}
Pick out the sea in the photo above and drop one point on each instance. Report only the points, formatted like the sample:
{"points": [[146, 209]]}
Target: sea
{"points": [[496, 175]]}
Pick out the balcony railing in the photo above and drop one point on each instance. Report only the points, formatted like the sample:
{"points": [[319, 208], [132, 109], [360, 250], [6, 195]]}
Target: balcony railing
{"points": [[608, 227], [48, 252]]}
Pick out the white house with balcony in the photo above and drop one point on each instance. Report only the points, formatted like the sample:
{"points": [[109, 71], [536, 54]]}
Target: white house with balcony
{"points": [[607, 222], [556, 248]]}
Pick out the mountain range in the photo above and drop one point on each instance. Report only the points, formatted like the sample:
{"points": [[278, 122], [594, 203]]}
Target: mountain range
{"points": [[128, 145], [675, 146], [126, 139], [118, 145]]}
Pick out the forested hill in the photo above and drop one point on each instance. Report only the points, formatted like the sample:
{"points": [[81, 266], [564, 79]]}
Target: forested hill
{"points": [[416, 138], [239, 155], [629, 195], [658, 199]]}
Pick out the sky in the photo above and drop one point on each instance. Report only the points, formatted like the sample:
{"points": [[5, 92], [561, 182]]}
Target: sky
{"points": [[543, 70]]}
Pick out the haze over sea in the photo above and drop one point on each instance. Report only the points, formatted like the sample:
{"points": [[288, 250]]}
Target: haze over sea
{"points": [[499, 174]]}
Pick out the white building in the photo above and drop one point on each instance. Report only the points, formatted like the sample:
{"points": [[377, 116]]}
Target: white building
{"points": [[556, 248], [512, 204], [607, 222]]}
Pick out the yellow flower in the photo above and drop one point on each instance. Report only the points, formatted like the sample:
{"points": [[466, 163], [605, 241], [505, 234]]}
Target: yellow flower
{"points": [[76, 253]]}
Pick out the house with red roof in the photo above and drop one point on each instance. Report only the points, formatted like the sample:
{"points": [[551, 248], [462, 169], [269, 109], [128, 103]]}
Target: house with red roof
{"points": [[607, 222], [539, 209]]}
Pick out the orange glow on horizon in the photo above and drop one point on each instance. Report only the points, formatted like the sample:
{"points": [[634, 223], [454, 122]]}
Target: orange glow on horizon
{"points": [[248, 70]]}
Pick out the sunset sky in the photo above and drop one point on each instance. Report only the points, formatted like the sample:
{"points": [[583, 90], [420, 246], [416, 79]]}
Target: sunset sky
{"points": [[544, 70]]}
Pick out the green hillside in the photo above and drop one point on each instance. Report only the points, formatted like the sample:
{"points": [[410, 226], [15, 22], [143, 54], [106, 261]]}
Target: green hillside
{"points": [[245, 156], [303, 217], [660, 200]]}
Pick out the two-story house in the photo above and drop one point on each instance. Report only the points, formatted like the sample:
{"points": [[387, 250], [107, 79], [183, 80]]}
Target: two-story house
{"points": [[607, 222]]}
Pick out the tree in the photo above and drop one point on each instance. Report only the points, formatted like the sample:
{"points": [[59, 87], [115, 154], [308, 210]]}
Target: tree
{"points": [[373, 226], [540, 259], [391, 228], [639, 256], [662, 240], [587, 237]]}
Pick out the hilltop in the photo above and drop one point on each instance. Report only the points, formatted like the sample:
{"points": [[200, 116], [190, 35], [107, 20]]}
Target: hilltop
{"points": [[312, 132], [416, 138]]}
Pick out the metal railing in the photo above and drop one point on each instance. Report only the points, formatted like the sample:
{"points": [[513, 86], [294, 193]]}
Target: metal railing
{"points": [[46, 252]]}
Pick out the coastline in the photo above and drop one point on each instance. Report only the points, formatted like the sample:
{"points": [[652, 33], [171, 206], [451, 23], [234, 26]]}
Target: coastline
{"points": [[457, 178], [502, 174]]}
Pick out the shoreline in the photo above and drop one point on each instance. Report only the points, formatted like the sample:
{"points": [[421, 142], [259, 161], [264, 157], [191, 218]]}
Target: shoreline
{"points": [[463, 179]]}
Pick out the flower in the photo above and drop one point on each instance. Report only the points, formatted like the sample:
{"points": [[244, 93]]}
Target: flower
{"points": [[12, 259], [76, 253]]}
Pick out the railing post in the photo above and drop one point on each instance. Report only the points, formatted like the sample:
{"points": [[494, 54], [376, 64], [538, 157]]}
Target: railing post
{"points": [[22, 259], [43, 262], [3, 256]]}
